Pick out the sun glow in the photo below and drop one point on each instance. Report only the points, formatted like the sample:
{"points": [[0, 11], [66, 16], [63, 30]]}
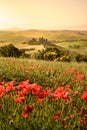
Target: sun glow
{"points": [[43, 14]]}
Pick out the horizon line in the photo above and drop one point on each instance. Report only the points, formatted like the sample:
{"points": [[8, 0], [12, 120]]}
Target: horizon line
{"points": [[22, 29]]}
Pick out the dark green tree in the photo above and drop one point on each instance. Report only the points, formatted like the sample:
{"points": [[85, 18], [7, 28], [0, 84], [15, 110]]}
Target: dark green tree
{"points": [[10, 51]]}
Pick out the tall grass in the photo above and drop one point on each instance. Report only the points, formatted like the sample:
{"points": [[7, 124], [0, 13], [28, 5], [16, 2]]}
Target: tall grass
{"points": [[41, 95], [44, 73]]}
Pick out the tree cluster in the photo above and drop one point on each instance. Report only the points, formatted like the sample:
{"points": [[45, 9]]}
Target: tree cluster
{"points": [[10, 51]]}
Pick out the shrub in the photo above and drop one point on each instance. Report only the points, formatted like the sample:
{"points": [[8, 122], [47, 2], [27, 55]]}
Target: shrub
{"points": [[33, 41], [64, 58], [50, 55], [74, 46], [39, 54], [79, 58], [10, 51], [40, 41], [26, 55], [85, 58], [44, 41]]}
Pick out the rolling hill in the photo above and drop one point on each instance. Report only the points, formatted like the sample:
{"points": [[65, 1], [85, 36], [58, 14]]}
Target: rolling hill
{"points": [[63, 38]]}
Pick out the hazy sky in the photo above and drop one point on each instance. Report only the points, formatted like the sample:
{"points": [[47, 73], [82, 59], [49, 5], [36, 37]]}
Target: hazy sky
{"points": [[43, 14]]}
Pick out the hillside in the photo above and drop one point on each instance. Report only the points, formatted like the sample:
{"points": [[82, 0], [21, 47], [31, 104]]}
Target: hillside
{"points": [[58, 36], [63, 38]]}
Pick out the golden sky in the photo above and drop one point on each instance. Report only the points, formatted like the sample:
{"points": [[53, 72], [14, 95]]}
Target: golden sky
{"points": [[43, 14]]}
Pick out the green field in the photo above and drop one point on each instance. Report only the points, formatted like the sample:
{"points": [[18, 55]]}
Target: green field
{"points": [[39, 94], [36, 95], [82, 44], [23, 69]]}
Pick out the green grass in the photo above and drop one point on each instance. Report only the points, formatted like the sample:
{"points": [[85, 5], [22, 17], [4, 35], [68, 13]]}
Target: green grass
{"points": [[67, 44], [22, 69], [82, 44], [52, 75]]}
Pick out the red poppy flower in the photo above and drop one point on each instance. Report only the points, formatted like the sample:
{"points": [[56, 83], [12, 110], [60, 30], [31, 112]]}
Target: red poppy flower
{"points": [[71, 116], [23, 84], [67, 87], [60, 89], [36, 89], [65, 126], [25, 115], [64, 120], [40, 100], [23, 91], [20, 99], [56, 116], [85, 116], [60, 93], [42, 94], [0, 105], [81, 77], [24, 88], [28, 109], [2, 90], [83, 122], [84, 96], [9, 86]]}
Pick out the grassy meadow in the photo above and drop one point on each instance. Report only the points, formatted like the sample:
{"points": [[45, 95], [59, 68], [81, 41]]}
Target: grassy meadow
{"points": [[39, 94]]}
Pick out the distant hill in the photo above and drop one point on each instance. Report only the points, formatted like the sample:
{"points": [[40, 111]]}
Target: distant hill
{"points": [[81, 28], [13, 29], [15, 35], [62, 38]]}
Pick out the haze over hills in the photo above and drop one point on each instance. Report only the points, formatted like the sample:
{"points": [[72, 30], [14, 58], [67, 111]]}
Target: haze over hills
{"points": [[14, 28], [82, 27], [17, 35]]}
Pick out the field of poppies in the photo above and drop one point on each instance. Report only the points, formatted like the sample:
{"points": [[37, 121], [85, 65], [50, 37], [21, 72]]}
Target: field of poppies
{"points": [[41, 95]]}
